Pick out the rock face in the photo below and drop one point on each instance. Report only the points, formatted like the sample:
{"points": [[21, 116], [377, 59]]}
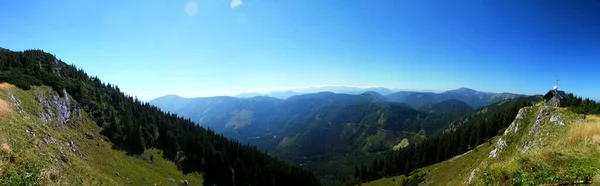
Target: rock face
{"points": [[47, 114], [77, 113], [472, 175], [499, 146], [62, 108], [531, 120], [535, 129], [514, 126], [16, 103], [56, 66]]}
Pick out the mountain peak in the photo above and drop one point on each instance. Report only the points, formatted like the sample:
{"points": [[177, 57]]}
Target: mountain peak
{"points": [[463, 90], [169, 96], [371, 93], [375, 95]]}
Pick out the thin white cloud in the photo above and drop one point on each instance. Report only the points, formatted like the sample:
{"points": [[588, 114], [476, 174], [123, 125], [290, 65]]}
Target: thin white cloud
{"points": [[191, 8], [236, 3]]}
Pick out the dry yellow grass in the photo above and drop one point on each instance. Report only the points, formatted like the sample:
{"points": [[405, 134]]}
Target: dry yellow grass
{"points": [[585, 133], [5, 109], [4, 147], [5, 85], [592, 118]]}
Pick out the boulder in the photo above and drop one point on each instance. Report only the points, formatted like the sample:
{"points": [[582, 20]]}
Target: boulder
{"points": [[89, 136], [64, 158]]}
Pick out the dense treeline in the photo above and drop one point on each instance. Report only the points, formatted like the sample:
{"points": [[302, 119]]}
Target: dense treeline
{"points": [[476, 130], [135, 126], [583, 106]]}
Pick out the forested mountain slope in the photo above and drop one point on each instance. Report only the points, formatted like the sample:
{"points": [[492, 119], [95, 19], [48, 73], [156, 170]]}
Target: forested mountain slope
{"points": [[459, 137], [135, 126], [447, 106], [47, 139], [542, 145]]}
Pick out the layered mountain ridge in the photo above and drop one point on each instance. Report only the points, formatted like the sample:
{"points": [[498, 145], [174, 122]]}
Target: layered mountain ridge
{"points": [[320, 129]]}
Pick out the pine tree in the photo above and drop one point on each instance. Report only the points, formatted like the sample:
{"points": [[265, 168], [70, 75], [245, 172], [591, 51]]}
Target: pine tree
{"points": [[356, 173]]}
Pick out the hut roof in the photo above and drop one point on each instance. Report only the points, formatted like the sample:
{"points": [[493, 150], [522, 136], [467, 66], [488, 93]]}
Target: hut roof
{"points": [[560, 94]]}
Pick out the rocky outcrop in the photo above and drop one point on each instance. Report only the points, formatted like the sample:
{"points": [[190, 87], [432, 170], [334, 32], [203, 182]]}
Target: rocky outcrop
{"points": [[47, 114], [514, 126], [16, 103], [501, 144], [56, 64], [526, 130], [59, 109], [535, 130], [557, 119], [64, 158], [62, 107], [472, 175], [76, 114]]}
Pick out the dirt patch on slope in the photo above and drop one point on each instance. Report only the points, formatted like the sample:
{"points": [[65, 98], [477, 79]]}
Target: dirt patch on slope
{"points": [[5, 109], [5, 85], [4, 147]]}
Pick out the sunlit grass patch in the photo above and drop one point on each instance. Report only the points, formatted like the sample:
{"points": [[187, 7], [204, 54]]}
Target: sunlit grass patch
{"points": [[5, 109], [586, 134], [31, 152], [5, 85], [570, 153]]}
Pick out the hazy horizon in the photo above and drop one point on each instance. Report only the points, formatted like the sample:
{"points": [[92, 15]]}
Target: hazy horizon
{"points": [[219, 47], [304, 90]]}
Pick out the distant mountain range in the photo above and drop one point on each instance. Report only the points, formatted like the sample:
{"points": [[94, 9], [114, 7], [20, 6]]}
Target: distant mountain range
{"points": [[473, 98], [231, 114], [335, 89], [318, 126]]}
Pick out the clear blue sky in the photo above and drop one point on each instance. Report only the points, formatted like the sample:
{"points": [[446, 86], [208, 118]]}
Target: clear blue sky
{"points": [[206, 47]]}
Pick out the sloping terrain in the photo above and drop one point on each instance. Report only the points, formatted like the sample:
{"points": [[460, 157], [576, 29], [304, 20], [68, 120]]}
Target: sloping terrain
{"points": [[47, 139], [543, 145], [447, 106]]}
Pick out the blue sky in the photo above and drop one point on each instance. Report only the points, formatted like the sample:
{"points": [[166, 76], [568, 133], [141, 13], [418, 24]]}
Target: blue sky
{"points": [[209, 47]]}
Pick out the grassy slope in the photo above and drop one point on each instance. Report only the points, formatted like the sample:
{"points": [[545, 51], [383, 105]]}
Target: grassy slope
{"points": [[455, 171], [556, 154], [25, 157]]}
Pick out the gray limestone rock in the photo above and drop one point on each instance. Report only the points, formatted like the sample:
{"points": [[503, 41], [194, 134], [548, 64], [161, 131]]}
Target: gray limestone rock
{"points": [[16, 102]]}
